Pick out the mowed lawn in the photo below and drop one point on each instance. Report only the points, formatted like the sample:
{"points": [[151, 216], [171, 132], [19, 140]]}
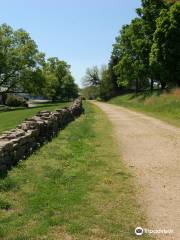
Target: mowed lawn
{"points": [[10, 119], [74, 187]]}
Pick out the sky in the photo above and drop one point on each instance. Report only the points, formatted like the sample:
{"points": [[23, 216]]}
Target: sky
{"points": [[80, 32]]}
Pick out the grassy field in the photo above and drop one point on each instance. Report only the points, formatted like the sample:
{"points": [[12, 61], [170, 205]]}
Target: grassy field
{"points": [[12, 118], [74, 187], [165, 106]]}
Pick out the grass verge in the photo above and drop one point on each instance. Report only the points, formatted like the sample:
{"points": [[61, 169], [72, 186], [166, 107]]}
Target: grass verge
{"points": [[165, 106], [75, 187], [11, 119]]}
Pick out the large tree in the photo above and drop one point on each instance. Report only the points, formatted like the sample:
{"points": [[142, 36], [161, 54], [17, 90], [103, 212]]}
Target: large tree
{"points": [[149, 12], [107, 88], [165, 52], [133, 46], [69, 88], [132, 67], [18, 59], [92, 77], [59, 81]]}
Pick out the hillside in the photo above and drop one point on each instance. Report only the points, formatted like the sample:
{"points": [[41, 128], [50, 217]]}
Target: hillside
{"points": [[163, 105]]}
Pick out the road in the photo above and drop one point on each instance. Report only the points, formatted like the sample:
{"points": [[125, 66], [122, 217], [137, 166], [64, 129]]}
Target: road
{"points": [[150, 149]]}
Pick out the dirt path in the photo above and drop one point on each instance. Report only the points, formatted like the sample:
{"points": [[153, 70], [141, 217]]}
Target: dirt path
{"points": [[151, 149]]}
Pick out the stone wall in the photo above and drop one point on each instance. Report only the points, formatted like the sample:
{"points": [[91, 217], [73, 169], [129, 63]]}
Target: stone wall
{"points": [[20, 142]]}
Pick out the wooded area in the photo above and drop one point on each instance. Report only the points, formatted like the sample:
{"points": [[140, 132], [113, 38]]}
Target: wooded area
{"points": [[145, 55]]}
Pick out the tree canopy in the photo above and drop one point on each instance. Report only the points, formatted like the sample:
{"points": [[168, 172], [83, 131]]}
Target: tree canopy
{"points": [[165, 51], [24, 69], [58, 80], [146, 53], [92, 77], [18, 53]]}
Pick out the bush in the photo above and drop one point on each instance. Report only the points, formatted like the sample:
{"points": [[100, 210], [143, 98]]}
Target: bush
{"points": [[15, 101]]}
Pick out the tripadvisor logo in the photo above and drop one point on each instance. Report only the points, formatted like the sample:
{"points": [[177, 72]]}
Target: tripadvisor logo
{"points": [[139, 231]]}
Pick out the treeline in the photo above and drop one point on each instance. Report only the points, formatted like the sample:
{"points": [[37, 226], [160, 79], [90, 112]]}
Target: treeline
{"points": [[24, 69], [145, 55]]}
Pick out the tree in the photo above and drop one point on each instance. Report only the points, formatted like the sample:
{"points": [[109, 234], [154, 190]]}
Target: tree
{"points": [[24, 68], [18, 54], [130, 47], [69, 88], [33, 82], [58, 80], [149, 12], [113, 78], [121, 52], [133, 46], [92, 77], [165, 51], [107, 88], [90, 92], [99, 83]]}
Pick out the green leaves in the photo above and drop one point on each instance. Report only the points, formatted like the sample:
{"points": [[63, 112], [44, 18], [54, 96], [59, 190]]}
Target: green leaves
{"points": [[147, 51], [18, 57], [59, 82], [165, 51], [24, 68], [131, 46]]}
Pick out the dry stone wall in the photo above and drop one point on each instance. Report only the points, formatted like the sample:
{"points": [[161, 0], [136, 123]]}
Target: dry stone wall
{"points": [[20, 142]]}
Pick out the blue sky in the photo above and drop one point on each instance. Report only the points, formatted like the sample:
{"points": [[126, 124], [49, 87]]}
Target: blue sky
{"points": [[80, 32]]}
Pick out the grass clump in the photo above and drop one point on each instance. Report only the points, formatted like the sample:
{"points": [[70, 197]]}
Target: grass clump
{"points": [[4, 204]]}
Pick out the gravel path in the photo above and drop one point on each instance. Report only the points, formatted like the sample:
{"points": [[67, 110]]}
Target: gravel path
{"points": [[151, 150]]}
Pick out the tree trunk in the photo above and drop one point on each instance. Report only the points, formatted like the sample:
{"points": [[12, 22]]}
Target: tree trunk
{"points": [[53, 99], [137, 86], [152, 85], [163, 85]]}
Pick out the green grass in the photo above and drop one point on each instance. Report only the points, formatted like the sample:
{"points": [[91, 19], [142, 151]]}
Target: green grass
{"points": [[165, 106], [10, 119], [75, 186]]}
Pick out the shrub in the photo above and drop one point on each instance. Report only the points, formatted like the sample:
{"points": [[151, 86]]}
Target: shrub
{"points": [[15, 101]]}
